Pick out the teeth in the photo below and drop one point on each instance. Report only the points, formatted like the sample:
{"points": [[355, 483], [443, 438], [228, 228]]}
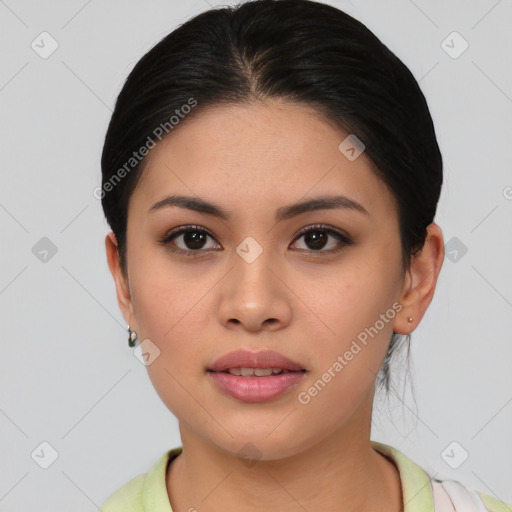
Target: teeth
{"points": [[255, 372]]}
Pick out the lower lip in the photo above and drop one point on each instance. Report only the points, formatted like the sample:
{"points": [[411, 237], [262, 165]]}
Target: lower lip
{"points": [[256, 389]]}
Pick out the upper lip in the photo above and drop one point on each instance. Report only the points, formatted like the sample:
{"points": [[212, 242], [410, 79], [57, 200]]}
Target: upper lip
{"points": [[248, 359]]}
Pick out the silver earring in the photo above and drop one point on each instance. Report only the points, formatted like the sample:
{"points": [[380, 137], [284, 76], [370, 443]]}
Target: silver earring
{"points": [[132, 337]]}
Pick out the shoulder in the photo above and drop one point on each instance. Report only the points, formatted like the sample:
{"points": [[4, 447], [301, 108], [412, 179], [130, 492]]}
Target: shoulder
{"points": [[494, 505], [422, 491], [465, 498], [128, 498], [147, 491]]}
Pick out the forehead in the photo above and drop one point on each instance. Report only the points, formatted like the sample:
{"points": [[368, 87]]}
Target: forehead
{"points": [[278, 151]]}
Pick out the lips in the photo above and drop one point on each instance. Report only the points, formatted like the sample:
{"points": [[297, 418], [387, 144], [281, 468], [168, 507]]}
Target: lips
{"points": [[247, 359], [255, 376]]}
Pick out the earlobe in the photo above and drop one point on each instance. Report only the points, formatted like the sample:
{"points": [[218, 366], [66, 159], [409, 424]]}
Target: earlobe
{"points": [[420, 282], [122, 287]]}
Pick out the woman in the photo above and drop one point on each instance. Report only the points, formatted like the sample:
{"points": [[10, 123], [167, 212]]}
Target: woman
{"points": [[271, 176]]}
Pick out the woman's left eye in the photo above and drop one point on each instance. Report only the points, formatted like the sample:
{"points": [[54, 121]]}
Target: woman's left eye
{"points": [[194, 238], [316, 236]]}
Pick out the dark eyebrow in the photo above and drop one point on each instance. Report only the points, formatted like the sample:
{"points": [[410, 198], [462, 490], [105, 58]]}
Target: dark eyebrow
{"points": [[192, 203], [283, 213], [319, 203]]}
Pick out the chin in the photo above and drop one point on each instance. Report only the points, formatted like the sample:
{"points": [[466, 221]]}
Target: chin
{"points": [[252, 447]]}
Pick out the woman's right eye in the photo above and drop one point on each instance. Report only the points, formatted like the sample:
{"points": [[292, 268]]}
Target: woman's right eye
{"points": [[188, 240]]}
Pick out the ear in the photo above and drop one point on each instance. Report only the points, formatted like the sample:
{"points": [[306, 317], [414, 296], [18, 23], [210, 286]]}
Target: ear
{"points": [[121, 282], [420, 281]]}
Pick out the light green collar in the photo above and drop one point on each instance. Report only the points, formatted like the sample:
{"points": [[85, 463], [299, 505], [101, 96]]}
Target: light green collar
{"points": [[416, 487]]}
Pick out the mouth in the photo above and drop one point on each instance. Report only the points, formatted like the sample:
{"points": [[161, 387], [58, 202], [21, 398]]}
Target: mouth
{"points": [[261, 364], [255, 384], [255, 376], [257, 372]]}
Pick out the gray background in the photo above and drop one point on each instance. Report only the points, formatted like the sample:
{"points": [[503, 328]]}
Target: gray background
{"points": [[67, 375]]}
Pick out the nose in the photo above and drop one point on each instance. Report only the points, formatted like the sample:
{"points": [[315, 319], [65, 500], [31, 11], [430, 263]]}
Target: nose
{"points": [[254, 295]]}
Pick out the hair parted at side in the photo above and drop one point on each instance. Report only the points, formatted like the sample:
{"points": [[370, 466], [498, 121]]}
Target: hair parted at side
{"points": [[294, 50]]}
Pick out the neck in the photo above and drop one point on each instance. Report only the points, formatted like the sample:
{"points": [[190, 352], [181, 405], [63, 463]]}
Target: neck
{"points": [[334, 474]]}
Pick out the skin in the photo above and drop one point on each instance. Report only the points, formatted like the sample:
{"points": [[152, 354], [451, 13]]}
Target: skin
{"points": [[251, 160]]}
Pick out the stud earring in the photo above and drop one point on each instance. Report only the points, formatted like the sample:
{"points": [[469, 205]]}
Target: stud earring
{"points": [[409, 320], [132, 337]]}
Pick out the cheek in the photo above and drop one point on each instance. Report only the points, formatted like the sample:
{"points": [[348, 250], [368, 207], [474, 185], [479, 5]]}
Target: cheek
{"points": [[170, 313], [354, 300], [168, 296], [357, 314], [172, 316]]}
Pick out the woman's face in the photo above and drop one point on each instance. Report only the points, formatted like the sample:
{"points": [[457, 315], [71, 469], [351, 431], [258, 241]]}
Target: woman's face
{"points": [[254, 283]]}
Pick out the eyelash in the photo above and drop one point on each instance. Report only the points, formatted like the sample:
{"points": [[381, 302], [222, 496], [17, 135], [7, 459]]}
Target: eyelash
{"points": [[169, 237]]}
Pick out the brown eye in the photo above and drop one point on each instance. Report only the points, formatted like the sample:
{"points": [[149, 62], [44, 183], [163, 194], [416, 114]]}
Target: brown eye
{"points": [[194, 239], [188, 239], [316, 238]]}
